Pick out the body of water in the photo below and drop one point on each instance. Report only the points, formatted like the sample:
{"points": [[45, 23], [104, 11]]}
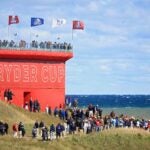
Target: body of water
{"points": [[111, 100], [133, 105]]}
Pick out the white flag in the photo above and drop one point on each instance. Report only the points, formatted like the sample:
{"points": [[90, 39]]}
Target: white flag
{"points": [[58, 22]]}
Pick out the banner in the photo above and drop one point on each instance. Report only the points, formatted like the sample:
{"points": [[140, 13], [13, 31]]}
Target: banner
{"points": [[13, 20], [58, 22], [36, 21], [78, 25]]}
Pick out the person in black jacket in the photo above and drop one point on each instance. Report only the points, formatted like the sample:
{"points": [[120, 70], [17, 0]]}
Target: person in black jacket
{"points": [[10, 95], [21, 130], [52, 132], [44, 133], [6, 127], [2, 128], [58, 130], [41, 125], [36, 125], [31, 105]]}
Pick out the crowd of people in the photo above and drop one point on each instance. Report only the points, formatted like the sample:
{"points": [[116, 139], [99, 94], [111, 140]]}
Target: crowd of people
{"points": [[48, 45], [76, 120], [32, 105]]}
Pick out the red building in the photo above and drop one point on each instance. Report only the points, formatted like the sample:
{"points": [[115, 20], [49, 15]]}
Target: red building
{"points": [[34, 73]]}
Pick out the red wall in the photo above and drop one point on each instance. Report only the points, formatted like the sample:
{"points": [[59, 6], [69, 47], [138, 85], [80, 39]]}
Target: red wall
{"points": [[34, 73], [42, 80]]}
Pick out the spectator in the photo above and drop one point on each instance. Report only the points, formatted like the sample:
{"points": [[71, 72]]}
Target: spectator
{"points": [[36, 125], [10, 95], [2, 128], [41, 125], [34, 132], [52, 132], [46, 109], [26, 107], [6, 94], [31, 105], [6, 127], [58, 130], [21, 130], [49, 110], [44, 133], [15, 130]]}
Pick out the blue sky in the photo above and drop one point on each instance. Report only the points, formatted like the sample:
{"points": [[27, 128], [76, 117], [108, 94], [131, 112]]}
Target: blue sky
{"points": [[112, 54]]}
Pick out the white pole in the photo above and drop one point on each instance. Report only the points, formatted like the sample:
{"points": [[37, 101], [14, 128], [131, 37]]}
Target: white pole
{"points": [[8, 32]]}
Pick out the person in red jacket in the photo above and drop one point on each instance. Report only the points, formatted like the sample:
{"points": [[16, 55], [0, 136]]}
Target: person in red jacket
{"points": [[15, 130], [149, 125]]}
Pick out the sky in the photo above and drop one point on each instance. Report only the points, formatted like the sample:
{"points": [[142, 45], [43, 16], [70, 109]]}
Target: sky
{"points": [[111, 54]]}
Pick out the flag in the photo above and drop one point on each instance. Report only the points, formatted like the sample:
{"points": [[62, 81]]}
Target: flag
{"points": [[78, 25], [36, 21], [58, 22], [13, 20]]}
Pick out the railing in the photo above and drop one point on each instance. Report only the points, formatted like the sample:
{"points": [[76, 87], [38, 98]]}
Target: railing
{"points": [[38, 46]]}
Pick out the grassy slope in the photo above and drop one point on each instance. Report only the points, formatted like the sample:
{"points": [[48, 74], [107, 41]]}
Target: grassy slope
{"points": [[114, 139], [11, 114]]}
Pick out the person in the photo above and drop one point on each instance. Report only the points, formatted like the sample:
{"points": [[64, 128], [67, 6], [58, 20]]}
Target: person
{"points": [[21, 130], [56, 112], [149, 125], [6, 127], [52, 132], [34, 132], [66, 102], [36, 125], [75, 103], [6, 94], [72, 127], [63, 130], [2, 128], [46, 110], [44, 133], [10, 95], [15, 130], [58, 130], [26, 107], [49, 110], [31, 104], [41, 125]]}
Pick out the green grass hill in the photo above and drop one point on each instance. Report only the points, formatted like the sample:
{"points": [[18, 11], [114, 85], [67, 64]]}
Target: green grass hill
{"points": [[113, 139]]}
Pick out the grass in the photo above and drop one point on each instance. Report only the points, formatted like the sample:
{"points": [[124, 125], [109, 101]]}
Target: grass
{"points": [[114, 139], [11, 114]]}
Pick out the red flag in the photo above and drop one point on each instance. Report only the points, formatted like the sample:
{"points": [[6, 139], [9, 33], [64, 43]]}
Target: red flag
{"points": [[13, 20], [78, 25]]}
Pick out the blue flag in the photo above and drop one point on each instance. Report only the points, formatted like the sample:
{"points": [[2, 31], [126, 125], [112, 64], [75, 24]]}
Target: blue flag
{"points": [[36, 21]]}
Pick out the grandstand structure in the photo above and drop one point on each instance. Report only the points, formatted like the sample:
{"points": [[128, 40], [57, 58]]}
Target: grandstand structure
{"points": [[34, 71]]}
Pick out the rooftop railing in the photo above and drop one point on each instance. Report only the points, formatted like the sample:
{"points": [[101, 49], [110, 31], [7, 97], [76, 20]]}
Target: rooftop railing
{"points": [[38, 46]]}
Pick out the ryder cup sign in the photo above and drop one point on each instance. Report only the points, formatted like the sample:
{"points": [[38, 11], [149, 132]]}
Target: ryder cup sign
{"points": [[31, 73]]}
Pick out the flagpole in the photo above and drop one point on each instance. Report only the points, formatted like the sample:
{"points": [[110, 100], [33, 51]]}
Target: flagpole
{"points": [[30, 39], [72, 34], [8, 32]]}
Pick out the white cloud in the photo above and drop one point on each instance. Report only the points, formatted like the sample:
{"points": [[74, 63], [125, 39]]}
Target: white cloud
{"points": [[93, 6]]}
